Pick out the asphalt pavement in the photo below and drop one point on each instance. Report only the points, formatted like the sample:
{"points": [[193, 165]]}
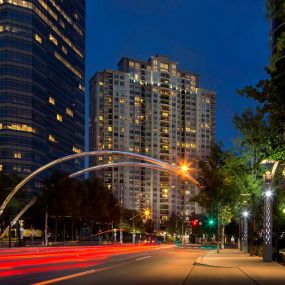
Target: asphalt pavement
{"points": [[135, 265], [98, 265]]}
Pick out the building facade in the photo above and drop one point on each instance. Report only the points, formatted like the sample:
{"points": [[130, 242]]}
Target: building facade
{"points": [[153, 108], [42, 47]]}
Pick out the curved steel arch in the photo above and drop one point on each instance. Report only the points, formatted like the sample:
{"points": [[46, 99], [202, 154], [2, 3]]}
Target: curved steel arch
{"points": [[92, 153], [124, 164], [94, 168]]}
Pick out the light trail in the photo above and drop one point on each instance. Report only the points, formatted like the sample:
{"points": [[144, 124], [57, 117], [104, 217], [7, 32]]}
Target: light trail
{"points": [[27, 261]]}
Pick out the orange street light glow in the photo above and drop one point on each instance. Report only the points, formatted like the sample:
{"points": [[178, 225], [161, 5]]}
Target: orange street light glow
{"points": [[146, 212], [184, 168]]}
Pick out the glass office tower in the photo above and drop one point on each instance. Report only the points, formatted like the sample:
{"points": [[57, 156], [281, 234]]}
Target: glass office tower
{"points": [[42, 54]]}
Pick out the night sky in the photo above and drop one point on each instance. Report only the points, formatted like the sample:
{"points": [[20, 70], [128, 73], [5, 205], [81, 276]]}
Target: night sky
{"points": [[225, 41]]}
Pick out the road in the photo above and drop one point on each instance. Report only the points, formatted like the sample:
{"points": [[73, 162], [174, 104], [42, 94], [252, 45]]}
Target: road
{"points": [[126, 264]]}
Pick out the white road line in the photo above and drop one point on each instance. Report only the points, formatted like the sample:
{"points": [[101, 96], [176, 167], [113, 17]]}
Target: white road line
{"points": [[170, 251], [143, 257]]}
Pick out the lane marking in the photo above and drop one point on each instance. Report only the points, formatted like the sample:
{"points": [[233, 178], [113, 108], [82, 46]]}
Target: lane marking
{"points": [[66, 277], [145, 257], [170, 251], [50, 281]]}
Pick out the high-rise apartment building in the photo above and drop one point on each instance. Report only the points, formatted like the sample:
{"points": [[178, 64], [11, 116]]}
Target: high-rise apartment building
{"points": [[153, 108], [42, 47]]}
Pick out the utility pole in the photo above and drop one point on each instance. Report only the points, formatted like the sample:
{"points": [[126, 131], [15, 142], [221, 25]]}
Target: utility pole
{"points": [[10, 241], [121, 216], [46, 228]]}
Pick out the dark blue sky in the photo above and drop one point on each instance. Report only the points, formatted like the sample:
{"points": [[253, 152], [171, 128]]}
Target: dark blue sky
{"points": [[225, 41]]}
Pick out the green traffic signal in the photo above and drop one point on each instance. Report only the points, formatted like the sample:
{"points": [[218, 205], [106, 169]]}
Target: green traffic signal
{"points": [[211, 222]]}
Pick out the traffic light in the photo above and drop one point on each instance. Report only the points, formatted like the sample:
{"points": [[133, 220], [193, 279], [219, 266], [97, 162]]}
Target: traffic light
{"points": [[211, 222], [195, 223]]}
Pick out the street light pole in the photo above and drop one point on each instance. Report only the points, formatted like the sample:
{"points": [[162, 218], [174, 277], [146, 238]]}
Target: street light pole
{"points": [[121, 216], [267, 221], [134, 233], [245, 231], [267, 211]]}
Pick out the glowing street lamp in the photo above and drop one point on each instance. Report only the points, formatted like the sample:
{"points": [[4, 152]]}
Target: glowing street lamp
{"points": [[147, 213], [245, 215], [267, 214], [184, 168]]}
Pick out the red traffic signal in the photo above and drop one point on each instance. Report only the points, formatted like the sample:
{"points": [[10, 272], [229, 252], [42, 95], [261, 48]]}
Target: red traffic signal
{"points": [[195, 223]]}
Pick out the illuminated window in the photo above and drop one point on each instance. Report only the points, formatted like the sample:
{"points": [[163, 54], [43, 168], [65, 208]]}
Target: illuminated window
{"points": [[51, 100], [164, 66], [131, 64], [53, 39], [81, 87], [122, 100], [69, 112], [20, 3], [1, 126], [100, 118], [173, 68], [17, 155], [76, 149], [1, 27], [154, 64], [56, 30], [64, 49], [68, 65], [52, 138], [68, 19], [18, 127], [59, 117], [47, 8], [38, 38], [110, 129], [62, 24], [1, 167]]}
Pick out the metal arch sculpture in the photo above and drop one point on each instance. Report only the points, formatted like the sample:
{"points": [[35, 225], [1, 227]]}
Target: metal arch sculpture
{"points": [[120, 164], [94, 168], [92, 153]]}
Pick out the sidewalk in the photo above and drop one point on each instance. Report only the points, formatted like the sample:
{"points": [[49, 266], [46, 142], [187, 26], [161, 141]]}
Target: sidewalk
{"points": [[233, 267]]}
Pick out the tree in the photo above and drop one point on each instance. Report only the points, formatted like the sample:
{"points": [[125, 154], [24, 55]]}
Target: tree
{"points": [[225, 177], [78, 202], [270, 97], [262, 129], [7, 182]]}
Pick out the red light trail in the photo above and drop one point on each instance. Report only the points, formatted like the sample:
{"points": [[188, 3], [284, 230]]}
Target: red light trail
{"points": [[24, 261]]}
